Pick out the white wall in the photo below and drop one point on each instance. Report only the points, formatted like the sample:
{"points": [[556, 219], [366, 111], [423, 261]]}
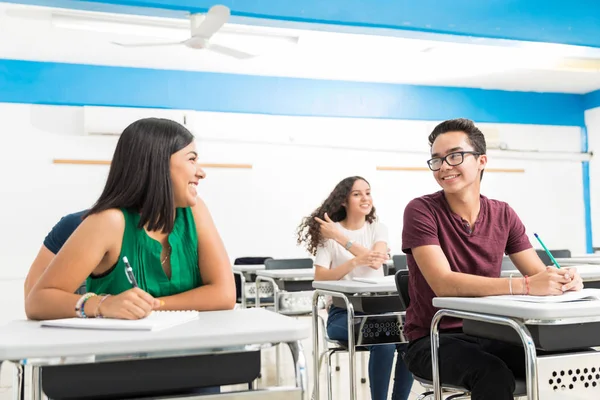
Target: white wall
{"points": [[592, 121], [258, 210]]}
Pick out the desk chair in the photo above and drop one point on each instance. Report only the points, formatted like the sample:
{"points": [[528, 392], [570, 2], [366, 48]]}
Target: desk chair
{"points": [[246, 291], [335, 347], [288, 263], [402, 280], [82, 289], [293, 303], [507, 264], [400, 262], [556, 253]]}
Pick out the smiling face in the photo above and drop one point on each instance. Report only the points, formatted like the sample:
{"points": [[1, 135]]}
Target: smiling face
{"points": [[457, 178], [359, 200], [185, 175]]}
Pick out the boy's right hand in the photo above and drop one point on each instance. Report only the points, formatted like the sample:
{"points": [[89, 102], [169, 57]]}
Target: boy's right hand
{"points": [[549, 282]]}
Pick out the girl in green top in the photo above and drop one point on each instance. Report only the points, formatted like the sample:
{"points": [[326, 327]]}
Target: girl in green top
{"points": [[150, 213]]}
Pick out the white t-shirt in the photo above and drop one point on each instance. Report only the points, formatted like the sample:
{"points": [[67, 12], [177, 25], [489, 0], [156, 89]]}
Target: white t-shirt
{"points": [[331, 254]]}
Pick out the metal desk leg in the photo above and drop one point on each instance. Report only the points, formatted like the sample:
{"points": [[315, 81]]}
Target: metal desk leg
{"points": [[36, 383], [315, 342], [518, 326], [276, 309], [19, 382], [300, 366]]}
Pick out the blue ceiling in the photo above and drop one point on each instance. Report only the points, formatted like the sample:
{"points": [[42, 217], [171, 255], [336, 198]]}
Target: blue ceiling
{"points": [[576, 22]]}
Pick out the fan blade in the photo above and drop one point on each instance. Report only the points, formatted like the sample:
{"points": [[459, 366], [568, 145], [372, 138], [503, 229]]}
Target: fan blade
{"points": [[228, 51], [214, 19], [146, 44]]}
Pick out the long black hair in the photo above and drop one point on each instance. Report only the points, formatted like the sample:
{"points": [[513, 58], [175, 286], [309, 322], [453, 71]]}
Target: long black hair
{"points": [[309, 232], [139, 176]]}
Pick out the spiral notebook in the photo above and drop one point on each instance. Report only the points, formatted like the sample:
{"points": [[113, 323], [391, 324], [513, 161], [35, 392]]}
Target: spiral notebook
{"points": [[156, 321]]}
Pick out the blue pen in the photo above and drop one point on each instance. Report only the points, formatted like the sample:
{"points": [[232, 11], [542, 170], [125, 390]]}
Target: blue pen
{"points": [[547, 251], [129, 273]]}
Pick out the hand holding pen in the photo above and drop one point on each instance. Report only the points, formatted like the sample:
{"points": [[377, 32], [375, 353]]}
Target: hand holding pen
{"points": [[554, 281], [130, 304]]}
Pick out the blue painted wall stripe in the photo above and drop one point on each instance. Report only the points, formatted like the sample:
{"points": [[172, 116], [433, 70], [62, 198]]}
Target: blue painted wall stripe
{"points": [[591, 100], [587, 202], [78, 84]]}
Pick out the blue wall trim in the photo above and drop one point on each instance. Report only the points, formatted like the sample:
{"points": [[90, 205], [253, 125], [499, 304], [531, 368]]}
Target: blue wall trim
{"points": [[575, 22], [587, 203], [591, 100], [78, 84]]}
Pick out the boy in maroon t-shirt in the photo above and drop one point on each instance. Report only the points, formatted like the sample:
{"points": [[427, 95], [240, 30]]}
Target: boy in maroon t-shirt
{"points": [[455, 240]]}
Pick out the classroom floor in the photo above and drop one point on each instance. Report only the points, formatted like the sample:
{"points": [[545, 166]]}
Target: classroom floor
{"points": [[340, 378]]}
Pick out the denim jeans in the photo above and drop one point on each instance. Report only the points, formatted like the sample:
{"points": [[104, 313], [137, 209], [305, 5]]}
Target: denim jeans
{"points": [[381, 360]]}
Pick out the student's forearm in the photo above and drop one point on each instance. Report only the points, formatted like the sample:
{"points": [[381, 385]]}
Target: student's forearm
{"points": [[205, 298], [50, 304], [335, 274], [456, 284], [356, 249]]}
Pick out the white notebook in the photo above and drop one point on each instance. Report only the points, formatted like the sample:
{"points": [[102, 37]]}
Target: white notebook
{"points": [[156, 321], [584, 294], [388, 279]]}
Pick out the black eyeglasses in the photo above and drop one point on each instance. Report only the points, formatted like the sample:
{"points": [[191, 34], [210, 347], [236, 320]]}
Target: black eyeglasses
{"points": [[452, 159]]}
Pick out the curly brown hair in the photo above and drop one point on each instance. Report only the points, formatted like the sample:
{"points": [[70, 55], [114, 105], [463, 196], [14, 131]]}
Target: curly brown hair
{"points": [[309, 233]]}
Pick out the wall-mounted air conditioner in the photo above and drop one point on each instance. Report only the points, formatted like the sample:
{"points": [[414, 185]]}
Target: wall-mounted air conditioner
{"points": [[493, 138], [113, 120]]}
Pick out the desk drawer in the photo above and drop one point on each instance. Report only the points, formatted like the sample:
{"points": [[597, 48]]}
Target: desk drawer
{"points": [[371, 304], [569, 376], [379, 329], [145, 377], [545, 337]]}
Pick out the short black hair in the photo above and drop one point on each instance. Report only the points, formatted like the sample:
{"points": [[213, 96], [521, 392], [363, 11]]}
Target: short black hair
{"points": [[140, 176], [474, 134]]}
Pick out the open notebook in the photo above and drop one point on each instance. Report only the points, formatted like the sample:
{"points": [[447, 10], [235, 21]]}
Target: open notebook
{"points": [[388, 279], [584, 294], [156, 321]]}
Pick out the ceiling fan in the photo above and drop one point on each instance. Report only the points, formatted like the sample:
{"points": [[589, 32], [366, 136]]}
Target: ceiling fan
{"points": [[202, 28]]}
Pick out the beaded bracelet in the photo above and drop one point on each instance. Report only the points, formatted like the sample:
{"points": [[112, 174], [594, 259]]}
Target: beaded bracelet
{"points": [[97, 313], [79, 307], [527, 284]]}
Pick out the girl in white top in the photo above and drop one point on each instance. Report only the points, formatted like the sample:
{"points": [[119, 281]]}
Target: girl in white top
{"points": [[347, 241]]}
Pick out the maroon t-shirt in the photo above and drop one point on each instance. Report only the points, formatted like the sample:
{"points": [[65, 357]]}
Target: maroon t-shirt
{"points": [[428, 220]]}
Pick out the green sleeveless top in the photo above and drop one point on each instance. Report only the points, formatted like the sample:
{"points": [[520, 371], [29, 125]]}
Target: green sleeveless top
{"points": [[143, 254]]}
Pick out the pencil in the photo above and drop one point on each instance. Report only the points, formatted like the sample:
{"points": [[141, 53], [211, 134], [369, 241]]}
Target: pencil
{"points": [[547, 251]]}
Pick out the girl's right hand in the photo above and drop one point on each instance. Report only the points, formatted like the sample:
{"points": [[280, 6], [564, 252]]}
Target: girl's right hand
{"points": [[131, 304], [372, 259]]}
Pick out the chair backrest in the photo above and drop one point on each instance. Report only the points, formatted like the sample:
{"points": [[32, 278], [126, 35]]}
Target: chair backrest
{"points": [[507, 264], [245, 261], [400, 262], [250, 260], [289, 263], [387, 270], [401, 279], [82, 289], [556, 253]]}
